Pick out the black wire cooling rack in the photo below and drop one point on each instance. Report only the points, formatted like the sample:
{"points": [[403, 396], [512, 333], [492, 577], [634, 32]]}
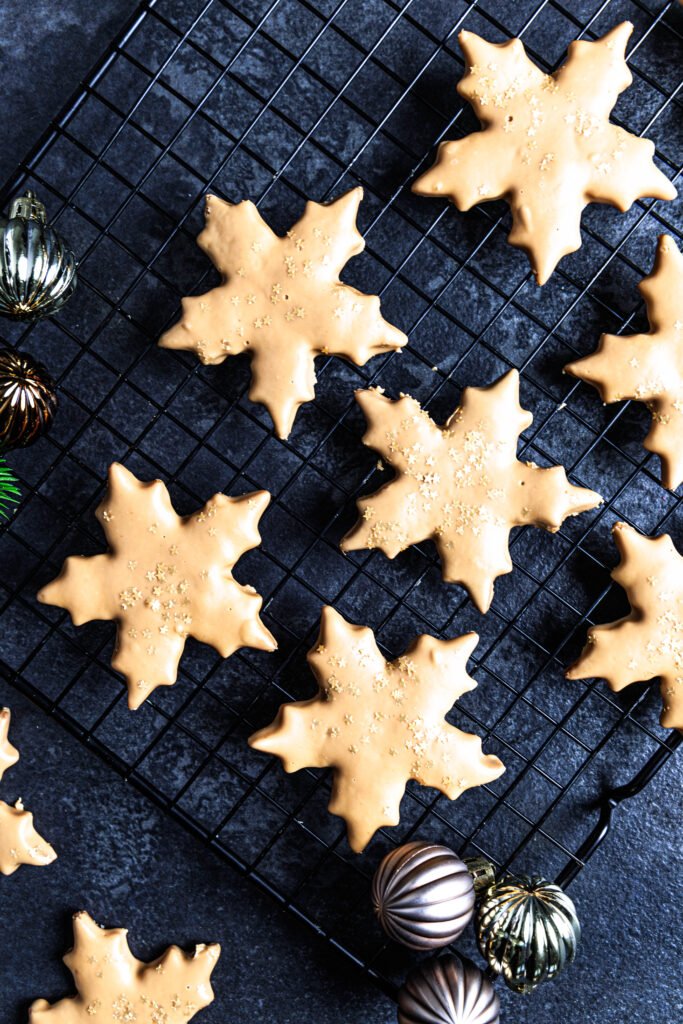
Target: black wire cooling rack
{"points": [[279, 101]]}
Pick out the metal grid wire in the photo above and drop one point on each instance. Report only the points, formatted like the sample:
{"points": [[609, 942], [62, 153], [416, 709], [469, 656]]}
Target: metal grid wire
{"points": [[281, 101]]}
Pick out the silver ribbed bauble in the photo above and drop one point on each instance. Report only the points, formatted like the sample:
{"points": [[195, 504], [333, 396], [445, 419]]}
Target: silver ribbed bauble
{"points": [[37, 271], [423, 895], [527, 930], [448, 991]]}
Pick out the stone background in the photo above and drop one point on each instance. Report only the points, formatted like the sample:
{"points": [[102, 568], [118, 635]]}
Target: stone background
{"points": [[128, 864]]}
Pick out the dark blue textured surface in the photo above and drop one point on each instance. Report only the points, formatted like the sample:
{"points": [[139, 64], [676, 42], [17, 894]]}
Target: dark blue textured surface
{"points": [[124, 860]]}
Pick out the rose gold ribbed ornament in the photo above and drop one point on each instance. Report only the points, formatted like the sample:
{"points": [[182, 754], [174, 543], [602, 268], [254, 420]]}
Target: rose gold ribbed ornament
{"points": [[448, 991], [423, 895]]}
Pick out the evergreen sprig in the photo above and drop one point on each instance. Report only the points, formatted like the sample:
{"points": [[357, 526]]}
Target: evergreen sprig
{"points": [[9, 489]]}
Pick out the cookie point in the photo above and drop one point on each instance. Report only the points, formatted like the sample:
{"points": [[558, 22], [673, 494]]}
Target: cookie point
{"points": [[258, 500], [117, 473], [135, 699], [328, 614], [665, 243], [618, 527], [211, 950], [470, 640], [83, 920]]}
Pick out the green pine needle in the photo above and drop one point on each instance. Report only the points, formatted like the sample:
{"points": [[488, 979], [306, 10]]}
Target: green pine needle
{"points": [[9, 490]]}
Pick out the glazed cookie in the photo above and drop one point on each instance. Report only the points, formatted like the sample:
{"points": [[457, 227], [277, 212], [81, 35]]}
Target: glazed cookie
{"points": [[460, 485], [9, 755], [112, 985], [649, 367], [649, 641], [19, 841], [281, 301], [165, 578], [547, 146], [379, 723]]}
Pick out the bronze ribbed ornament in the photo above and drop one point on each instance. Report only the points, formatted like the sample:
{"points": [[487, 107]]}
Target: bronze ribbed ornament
{"points": [[448, 991], [27, 399], [423, 895], [37, 270], [527, 930]]}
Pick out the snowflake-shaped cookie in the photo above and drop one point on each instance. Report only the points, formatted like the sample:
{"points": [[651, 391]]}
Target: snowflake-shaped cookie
{"points": [[9, 755], [282, 301], [547, 146], [114, 986], [460, 485], [379, 723], [19, 841], [649, 367], [165, 578], [649, 641]]}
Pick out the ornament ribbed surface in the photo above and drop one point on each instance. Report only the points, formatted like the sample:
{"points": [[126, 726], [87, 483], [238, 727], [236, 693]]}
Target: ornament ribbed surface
{"points": [[27, 399], [37, 270], [423, 895], [527, 930], [448, 991]]}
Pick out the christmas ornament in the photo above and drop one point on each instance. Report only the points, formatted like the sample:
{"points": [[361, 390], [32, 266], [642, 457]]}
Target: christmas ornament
{"points": [[483, 874], [447, 991], [27, 399], [423, 895], [37, 270], [527, 930], [9, 492]]}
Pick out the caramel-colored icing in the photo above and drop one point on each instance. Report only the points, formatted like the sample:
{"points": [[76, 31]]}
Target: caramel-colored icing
{"points": [[547, 145], [115, 988], [649, 367], [649, 641], [19, 841], [165, 578], [281, 301], [460, 485], [9, 755], [378, 724]]}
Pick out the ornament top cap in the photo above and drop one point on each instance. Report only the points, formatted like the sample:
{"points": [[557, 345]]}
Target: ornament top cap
{"points": [[29, 207]]}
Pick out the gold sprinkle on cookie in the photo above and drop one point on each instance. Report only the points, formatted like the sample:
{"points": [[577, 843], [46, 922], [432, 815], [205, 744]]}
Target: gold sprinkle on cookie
{"points": [[649, 641], [547, 146], [459, 485], [381, 724], [649, 367], [282, 301], [166, 597]]}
